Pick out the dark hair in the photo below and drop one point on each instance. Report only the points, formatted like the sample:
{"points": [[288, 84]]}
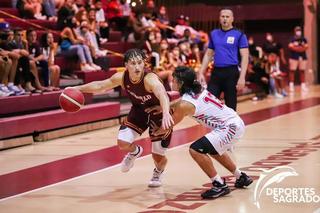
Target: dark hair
{"points": [[187, 77], [29, 31], [132, 53]]}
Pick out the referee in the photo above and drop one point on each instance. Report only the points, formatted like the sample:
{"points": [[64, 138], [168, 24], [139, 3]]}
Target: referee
{"points": [[225, 46]]}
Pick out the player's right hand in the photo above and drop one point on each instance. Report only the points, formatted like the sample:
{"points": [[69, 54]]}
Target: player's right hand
{"points": [[167, 121]]}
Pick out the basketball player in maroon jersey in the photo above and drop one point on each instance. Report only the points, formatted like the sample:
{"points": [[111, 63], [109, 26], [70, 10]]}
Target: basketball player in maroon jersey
{"points": [[144, 90]]}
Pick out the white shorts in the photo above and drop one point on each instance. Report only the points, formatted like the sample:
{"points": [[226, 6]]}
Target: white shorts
{"points": [[222, 139]]}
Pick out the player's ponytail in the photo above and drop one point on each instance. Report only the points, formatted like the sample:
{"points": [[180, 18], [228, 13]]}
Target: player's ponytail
{"points": [[187, 77]]}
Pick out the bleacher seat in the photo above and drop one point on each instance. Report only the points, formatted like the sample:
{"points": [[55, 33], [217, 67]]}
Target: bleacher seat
{"points": [[94, 75], [31, 103], [55, 119]]}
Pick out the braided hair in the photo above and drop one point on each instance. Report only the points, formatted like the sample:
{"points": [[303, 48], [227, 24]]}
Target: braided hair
{"points": [[187, 77]]}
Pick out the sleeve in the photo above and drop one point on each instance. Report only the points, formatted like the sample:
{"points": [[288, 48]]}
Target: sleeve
{"points": [[211, 45], [243, 41]]}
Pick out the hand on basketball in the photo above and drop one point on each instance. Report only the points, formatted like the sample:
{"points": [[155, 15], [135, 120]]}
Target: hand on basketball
{"points": [[154, 110], [167, 121]]}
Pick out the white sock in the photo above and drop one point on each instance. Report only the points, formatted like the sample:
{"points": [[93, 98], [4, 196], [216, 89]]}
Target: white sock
{"points": [[217, 178], [10, 84], [303, 84], [237, 173], [136, 151], [291, 84]]}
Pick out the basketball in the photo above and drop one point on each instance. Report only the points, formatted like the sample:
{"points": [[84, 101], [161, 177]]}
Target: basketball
{"points": [[71, 100]]}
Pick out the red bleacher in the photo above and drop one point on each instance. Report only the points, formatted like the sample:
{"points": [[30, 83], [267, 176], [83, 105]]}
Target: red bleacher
{"points": [[54, 119], [35, 102]]}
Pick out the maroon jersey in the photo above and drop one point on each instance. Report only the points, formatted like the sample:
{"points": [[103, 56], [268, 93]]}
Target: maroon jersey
{"points": [[137, 92]]}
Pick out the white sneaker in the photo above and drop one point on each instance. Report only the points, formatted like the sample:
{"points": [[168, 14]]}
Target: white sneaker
{"points": [[128, 160], [304, 88], [5, 89], [87, 67], [291, 87], [278, 95], [156, 179], [96, 67], [3, 94]]}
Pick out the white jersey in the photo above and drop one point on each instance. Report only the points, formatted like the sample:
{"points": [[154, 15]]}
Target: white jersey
{"points": [[210, 111]]}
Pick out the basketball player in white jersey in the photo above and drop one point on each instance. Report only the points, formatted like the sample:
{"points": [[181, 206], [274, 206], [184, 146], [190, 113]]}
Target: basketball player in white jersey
{"points": [[224, 122]]}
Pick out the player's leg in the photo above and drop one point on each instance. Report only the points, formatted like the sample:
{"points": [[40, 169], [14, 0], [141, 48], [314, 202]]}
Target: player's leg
{"points": [[302, 68], [132, 127], [293, 65], [199, 151], [222, 140], [160, 144]]}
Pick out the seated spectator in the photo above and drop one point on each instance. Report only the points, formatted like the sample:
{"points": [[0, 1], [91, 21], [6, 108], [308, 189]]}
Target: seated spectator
{"points": [[30, 9], [101, 25], [65, 14], [257, 74], [49, 7], [10, 60], [72, 45], [49, 50], [90, 38], [174, 57], [5, 66], [277, 81], [17, 45]]}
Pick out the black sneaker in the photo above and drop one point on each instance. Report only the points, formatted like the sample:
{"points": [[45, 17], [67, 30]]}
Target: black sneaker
{"points": [[217, 190], [243, 180]]}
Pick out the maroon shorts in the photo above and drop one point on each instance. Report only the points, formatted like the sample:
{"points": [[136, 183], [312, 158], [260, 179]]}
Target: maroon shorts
{"points": [[139, 121]]}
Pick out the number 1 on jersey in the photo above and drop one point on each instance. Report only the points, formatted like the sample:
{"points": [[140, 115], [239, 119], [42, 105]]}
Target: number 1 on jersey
{"points": [[211, 99]]}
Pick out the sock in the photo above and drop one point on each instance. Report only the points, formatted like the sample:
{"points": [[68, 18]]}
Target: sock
{"points": [[237, 173], [303, 84], [217, 178], [158, 171], [10, 84], [136, 151], [291, 84]]}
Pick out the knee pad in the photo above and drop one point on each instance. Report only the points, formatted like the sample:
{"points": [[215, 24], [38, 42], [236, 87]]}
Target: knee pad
{"points": [[158, 148], [203, 146], [127, 134]]}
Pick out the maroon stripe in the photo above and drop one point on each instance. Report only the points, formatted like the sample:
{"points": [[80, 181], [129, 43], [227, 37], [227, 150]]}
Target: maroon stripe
{"points": [[43, 175]]}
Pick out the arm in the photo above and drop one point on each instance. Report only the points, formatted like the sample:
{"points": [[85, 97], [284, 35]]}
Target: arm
{"points": [[244, 52], [153, 84], [181, 110], [205, 61], [100, 86], [282, 57]]}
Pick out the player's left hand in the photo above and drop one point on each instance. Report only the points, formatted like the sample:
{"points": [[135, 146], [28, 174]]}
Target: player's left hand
{"points": [[167, 120], [241, 84]]}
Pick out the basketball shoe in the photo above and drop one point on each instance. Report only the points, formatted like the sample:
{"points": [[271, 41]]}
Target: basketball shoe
{"points": [[128, 160], [243, 180], [217, 190], [156, 178]]}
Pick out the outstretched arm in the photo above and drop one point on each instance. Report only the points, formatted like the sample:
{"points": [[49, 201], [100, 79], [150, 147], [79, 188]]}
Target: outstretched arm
{"points": [[154, 84], [100, 86]]}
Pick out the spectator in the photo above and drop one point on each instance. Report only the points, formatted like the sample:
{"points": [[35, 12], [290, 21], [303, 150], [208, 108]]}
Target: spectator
{"points": [[49, 50], [65, 14], [257, 74], [30, 9], [72, 45], [298, 58], [277, 83], [224, 47], [101, 24], [37, 59], [271, 46]]}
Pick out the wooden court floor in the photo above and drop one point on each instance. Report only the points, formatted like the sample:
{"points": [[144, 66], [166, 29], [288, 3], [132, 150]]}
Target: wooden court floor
{"points": [[81, 173]]}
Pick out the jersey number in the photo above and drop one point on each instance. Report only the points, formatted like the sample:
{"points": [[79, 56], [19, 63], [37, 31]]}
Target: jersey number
{"points": [[210, 99]]}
